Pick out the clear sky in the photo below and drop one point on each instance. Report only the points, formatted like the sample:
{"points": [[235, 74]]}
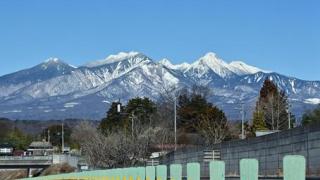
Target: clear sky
{"points": [[278, 35]]}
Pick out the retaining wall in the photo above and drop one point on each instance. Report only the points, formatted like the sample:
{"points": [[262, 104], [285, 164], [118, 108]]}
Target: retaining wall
{"points": [[269, 150]]}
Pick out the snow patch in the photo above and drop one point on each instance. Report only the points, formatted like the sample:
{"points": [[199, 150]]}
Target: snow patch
{"points": [[70, 104], [52, 59], [13, 111], [312, 101]]}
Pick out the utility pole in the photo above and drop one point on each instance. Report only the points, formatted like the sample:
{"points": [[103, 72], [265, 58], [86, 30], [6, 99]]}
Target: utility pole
{"points": [[289, 114], [289, 118], [132, 123], [175, 123], [62, 138], [242, 121], [48, 135]]}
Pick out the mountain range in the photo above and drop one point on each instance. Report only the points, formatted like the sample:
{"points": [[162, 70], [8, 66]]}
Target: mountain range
{"points": [[57, 90]]}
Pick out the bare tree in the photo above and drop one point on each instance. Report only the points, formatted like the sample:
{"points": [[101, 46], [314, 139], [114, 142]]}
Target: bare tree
{"points": [[116, 149], [213, 126]]}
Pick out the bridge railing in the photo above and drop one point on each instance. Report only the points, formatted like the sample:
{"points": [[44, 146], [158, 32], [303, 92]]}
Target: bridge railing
{"points": [[27, 158], [294, 168]]}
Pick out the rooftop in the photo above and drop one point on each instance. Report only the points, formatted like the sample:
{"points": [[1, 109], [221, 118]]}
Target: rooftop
{"points": [[6, 145], [40, 144]]}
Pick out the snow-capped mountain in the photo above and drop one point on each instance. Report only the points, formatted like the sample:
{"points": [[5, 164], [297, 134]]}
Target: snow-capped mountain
{"points": [[211, 63], [56, 90], [113, 58], [241, 68], [168, 64]]}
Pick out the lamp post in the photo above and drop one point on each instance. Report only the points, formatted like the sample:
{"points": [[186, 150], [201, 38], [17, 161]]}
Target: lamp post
{"points": [[132, 117]]}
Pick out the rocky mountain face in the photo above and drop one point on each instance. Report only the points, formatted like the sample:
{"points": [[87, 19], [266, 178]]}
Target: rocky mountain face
{"points": [[57, 90]]}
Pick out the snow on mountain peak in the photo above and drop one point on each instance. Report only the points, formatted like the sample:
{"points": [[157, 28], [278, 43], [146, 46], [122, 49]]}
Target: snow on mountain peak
{"points": [[120, 56], [168, 64], [52, 60], [113, 58], [242, 68], [211, 61], [222, 68], [210, 55], [55, 62]]}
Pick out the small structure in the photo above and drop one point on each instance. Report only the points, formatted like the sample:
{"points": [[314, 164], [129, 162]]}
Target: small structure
{"points": [[6, 149], [40, 148], [83, 165], [66, 149]]}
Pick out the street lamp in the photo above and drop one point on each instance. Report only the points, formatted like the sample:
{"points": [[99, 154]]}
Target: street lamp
{"points": [[132, 116]]}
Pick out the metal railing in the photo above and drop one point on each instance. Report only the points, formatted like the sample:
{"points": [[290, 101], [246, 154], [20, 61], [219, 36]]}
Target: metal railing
{"points": [[26, 158]]}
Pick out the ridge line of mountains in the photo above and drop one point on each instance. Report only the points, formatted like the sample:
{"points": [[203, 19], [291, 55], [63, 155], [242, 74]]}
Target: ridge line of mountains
{"points": [[57, 90]]}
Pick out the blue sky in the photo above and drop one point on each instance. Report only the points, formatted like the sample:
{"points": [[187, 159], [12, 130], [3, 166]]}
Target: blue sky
{"points": [[278, 35]]}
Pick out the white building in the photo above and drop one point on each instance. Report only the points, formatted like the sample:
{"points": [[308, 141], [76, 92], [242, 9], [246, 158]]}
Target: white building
{"points": [[40, 148], [6, 149]]}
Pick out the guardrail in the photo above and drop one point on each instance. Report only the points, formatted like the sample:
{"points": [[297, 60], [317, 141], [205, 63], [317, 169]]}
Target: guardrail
{"points": [[294, 168], [26, 158]]}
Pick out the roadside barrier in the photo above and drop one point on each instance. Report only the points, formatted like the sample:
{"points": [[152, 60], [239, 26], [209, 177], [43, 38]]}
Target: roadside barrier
{"points": [[294, 168]]}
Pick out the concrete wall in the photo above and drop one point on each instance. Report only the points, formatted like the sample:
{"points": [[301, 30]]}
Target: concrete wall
{"points": [[65, 158], [268, 149]]}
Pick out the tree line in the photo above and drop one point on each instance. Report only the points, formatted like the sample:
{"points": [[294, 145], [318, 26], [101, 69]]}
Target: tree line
{"points": [[129, 133]]}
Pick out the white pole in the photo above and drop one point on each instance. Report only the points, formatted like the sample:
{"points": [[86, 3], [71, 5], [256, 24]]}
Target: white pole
{"points": [[62, 138], [289, 120], [242, 122], [175, 123], [289, 117], [132, 121], [48, 135], [118, 108]]}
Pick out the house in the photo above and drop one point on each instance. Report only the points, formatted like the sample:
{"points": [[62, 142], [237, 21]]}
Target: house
{"points": [[19, 152], [6, 149], [40, 148]]}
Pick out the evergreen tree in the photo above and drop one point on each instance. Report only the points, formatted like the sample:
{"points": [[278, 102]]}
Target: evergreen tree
{"points": [[18, 139], [271, 109], [258, 121], [139, 109], [311, 117], [114, 120], [191, 107], [142, 109]]}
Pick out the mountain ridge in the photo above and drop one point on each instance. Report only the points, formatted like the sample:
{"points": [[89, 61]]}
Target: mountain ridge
{"points": [[55, 89]]}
